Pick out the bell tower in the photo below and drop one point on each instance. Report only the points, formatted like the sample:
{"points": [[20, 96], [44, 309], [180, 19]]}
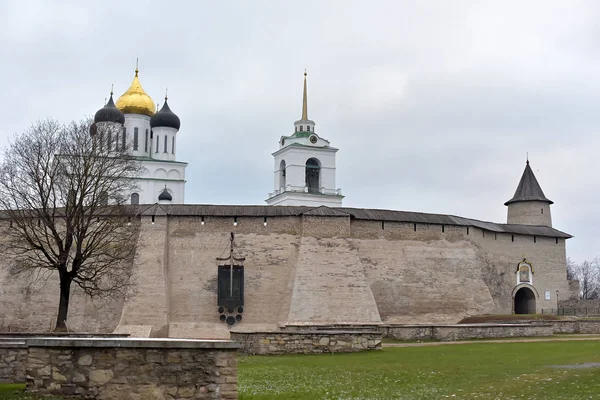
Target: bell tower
{"points": [[304, 167]]}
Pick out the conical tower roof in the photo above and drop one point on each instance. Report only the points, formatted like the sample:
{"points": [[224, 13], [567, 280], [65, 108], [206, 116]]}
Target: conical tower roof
{"points": [[529, 189]]}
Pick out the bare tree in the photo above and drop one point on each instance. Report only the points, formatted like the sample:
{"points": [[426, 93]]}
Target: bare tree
{"points": [[56, 184], [571, 270], [588, 275]]}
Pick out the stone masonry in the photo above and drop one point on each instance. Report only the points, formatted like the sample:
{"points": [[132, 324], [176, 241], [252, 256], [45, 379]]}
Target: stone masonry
{"points": [[107, 369], [307, 342], [13, 356]]}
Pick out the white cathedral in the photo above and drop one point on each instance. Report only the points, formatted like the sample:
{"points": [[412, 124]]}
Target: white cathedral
{"points": [[152, 136], [304, 164]]}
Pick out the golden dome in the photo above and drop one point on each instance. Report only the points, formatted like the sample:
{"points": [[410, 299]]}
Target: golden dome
{"points": [[135, 100]]}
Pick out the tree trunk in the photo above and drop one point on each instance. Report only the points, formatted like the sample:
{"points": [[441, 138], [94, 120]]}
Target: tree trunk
{"points": [[63, 305]]}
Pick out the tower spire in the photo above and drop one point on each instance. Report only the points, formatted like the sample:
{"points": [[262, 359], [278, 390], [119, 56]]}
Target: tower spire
{"points": [[304, 100], [137, 61]]}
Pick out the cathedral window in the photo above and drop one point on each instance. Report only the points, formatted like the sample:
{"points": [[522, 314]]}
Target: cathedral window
{"points": [[135, 198], [123, 139], [308, 128], [165, 147], [300, 128], [109, 141], [146, 142], [135, 139], [156, 144], [282, 182], [173, 145], [117, 141], [312, 178]]}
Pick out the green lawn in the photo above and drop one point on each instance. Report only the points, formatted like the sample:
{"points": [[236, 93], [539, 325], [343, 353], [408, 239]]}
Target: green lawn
{"points": [[15, 392], [470, 371]]}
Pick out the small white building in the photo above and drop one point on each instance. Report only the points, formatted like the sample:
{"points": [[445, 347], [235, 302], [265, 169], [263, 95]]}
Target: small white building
{"points": [[152, 138], [305, 167]]}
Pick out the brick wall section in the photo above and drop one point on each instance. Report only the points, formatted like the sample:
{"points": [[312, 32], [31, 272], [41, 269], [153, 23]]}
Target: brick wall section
{"points": [[118, 372], [308, 342], [13, 356]]}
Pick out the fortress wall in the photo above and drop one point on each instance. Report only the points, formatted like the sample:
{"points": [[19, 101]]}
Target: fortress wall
{"points": [[548, 259], [305, 270], [148, 303], [270, 260], [331, 286], [31, 304]]}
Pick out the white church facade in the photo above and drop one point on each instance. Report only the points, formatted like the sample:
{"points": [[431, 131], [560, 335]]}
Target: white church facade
{"points": [[152, 138]]}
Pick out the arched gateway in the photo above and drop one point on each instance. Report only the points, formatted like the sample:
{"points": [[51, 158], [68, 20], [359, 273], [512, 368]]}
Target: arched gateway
{"points": [[524, 301]]}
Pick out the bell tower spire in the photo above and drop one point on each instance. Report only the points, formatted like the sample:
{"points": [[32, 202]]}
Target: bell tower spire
{"points": [[304, 101], [304, 124]]}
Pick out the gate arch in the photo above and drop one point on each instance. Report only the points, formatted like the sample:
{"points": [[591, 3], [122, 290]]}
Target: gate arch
{"points": [[524, 300]]}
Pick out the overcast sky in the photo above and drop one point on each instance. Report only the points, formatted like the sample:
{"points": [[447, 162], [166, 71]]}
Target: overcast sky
{"points": [[433, 104]]}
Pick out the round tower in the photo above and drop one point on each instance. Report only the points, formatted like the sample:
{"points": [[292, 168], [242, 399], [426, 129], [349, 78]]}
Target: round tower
{"points": [[529, 205]]}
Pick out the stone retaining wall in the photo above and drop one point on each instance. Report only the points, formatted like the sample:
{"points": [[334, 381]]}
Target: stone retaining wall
{"points": [[589, 326], [13, 356], [566, 326], [306, 342], [465, 331], [477, 331], [140, 369]]}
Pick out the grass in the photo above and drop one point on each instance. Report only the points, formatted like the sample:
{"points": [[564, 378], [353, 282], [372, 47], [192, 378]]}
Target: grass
{"points": [[16, 392], [469, 371]]}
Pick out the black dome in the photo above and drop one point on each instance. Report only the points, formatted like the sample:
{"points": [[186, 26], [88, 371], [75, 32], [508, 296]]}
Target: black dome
{"points": [[165, 117], [109, 113], [165, 195]]}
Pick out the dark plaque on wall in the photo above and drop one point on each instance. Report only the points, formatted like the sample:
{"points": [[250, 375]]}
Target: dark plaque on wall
{"points": [[230, 286]]}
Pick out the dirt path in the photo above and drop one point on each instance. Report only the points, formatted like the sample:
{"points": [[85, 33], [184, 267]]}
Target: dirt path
{"points": [[552, 339]]}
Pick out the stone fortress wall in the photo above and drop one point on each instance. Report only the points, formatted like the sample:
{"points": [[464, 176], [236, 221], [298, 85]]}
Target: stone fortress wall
{"points": [[302, 269]]}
